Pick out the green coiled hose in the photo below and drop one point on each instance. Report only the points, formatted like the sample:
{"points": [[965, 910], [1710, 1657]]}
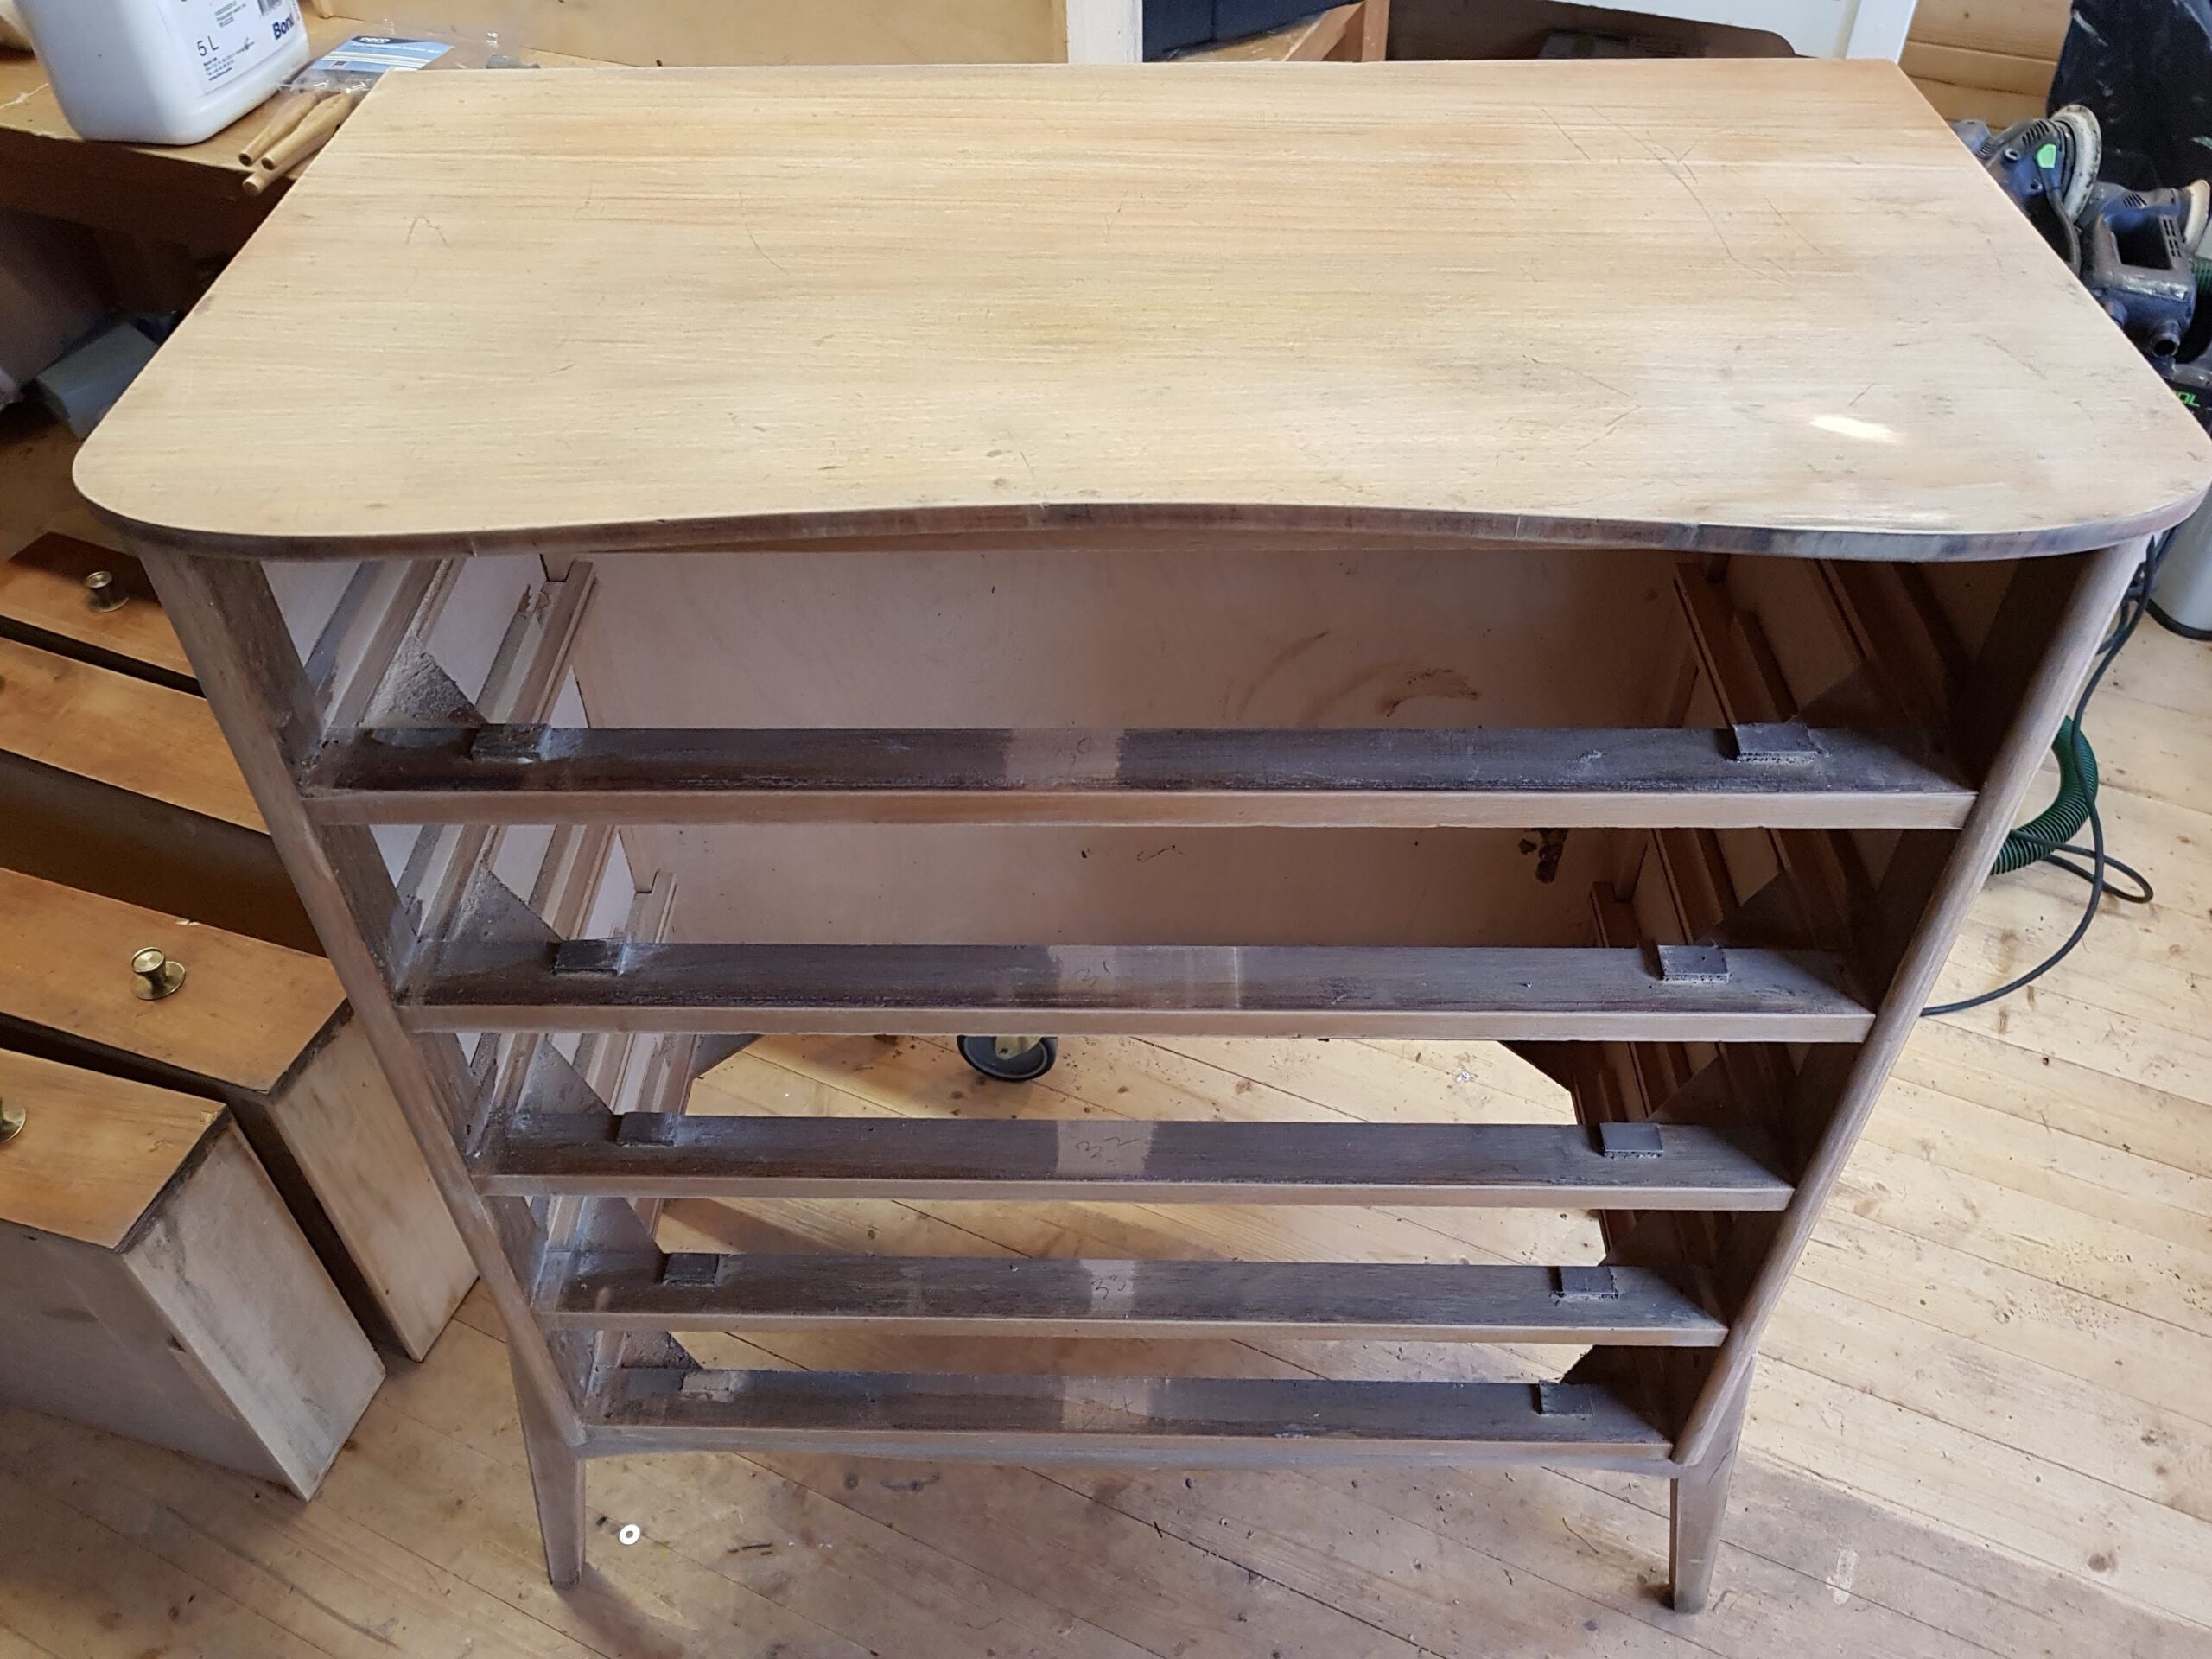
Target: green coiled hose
{"points": [[2059, 823]]}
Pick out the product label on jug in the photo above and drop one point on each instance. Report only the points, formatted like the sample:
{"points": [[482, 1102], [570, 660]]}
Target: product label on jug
{"points": [[223, 36]]}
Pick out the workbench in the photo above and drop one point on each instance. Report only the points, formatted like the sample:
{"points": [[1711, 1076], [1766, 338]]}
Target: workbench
{"points": [[188, 195], [1587, 556]]}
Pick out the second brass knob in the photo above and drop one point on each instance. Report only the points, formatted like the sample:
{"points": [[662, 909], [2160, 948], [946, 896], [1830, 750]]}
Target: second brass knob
{"points": [[156, 975], [103, 593]]}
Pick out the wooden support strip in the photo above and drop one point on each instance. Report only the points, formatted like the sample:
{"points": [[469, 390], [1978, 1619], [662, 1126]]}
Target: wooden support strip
{"points": [[602, 1059], [1082, 1159], [1699, 889], [1900, 630], [1659, 1069], [389, 605], [2047, 632], [1700, 1085], [243, 652], [523, 684], [568, 881], [1275, 990], [982, 1296], [1178, 1422], [360, 636], [603, 1056], [1419, 777], [1310, 40], [1823, 868], [671, 1065], [532, 661], [1743, 684], [1374, 30]]}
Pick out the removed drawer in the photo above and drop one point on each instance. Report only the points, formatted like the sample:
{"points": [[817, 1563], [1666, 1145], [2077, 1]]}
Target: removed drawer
{"points": [[266, 1029], [152, 1282]]}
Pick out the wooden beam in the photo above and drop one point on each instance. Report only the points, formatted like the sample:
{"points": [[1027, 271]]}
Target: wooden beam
{"points": [[935, 1159], [1494, 777], [1177, 1422], [1277, 990], [1374, 30], [972, 1296]]}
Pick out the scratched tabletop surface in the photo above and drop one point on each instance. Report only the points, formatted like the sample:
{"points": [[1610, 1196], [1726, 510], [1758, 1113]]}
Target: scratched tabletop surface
{"points": [[1753, 305]]}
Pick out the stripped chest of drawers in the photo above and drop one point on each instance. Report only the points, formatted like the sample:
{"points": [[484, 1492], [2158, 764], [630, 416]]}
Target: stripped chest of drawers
{"points": [[1478, 552]]}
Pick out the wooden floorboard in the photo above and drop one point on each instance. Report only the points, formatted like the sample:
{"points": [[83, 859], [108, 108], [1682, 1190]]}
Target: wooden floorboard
{"points": [[1983, 1428]]}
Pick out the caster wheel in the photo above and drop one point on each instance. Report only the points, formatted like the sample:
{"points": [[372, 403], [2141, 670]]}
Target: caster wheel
{"points": [[1011, 1060]]}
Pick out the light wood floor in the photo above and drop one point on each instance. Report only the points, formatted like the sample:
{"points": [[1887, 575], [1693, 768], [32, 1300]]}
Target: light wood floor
{"points": [[1985, 1423]]}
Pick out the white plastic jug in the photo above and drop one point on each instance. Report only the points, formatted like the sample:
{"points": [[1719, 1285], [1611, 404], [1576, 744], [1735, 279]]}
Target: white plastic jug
{"points": [[164, 72]]}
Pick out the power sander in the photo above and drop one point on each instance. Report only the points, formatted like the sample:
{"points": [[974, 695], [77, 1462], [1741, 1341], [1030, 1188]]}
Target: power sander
{"points": [[2133, 250], [2141, 254]]}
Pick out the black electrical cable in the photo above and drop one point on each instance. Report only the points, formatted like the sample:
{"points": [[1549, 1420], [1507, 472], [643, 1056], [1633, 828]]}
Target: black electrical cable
{"points": [[2144, 893], [2132, 606]]}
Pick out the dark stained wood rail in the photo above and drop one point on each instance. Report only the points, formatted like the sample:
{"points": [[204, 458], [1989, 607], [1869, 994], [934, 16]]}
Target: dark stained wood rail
{"points": [[1418, 778], [649, 1154], [1312, 990], [1057, 1297], [1178, 1422]]}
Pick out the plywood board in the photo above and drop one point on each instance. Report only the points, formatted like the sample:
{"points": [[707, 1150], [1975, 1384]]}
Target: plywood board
{"points": [[1964, 66], [2028, 28], [1252, 637]]}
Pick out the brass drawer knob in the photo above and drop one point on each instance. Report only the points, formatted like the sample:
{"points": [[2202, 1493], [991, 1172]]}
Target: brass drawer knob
{"points": [[158, 975], [103, 593], [11, 1121]]}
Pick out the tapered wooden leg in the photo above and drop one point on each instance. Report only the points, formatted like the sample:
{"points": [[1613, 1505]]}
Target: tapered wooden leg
{"points": [[556, 1476], [1700, 1504]]}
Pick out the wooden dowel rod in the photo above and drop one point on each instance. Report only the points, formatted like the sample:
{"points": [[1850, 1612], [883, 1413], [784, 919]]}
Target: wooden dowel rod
{"points": [[290, 111], [303, 141]]}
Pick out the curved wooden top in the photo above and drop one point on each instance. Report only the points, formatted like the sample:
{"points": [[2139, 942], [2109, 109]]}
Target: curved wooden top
{"points": [[1754, 305]]}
